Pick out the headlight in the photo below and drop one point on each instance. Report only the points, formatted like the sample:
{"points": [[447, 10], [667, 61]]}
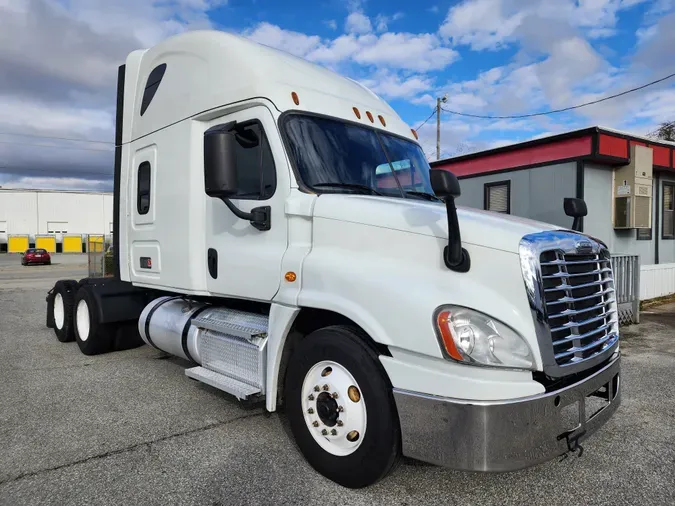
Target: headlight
{"points": [[472, 337]]}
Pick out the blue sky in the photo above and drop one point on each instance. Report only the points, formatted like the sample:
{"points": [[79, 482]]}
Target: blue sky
{"points": [[491, 57]]}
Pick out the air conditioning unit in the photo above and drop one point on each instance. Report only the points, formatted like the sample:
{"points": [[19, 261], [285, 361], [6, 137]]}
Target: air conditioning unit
{"points": [[632, 191]]}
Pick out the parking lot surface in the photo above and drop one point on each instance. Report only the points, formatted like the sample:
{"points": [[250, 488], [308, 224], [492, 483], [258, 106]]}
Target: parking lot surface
{"points": [[130, 428]]}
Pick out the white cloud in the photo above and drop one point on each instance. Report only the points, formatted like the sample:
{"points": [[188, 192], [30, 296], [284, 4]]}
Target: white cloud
{"points": [[358, 22], [493, 24], [382, 21], [390, 85], [331, 23], [417, 52], [292, 42], [421, 52]]}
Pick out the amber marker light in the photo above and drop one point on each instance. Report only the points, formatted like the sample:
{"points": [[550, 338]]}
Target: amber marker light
{"points": [[370, 116], [414, 133], [443, 324], [357, 113], [290, 276], [294, 95]]}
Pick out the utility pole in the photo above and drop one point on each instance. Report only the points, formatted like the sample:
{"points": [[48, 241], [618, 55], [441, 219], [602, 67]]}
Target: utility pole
{"points": [[438, 128], [438, 124]]}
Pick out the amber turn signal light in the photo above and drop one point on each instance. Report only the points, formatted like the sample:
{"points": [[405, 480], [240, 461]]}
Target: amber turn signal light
{"points": [[443, 323]]}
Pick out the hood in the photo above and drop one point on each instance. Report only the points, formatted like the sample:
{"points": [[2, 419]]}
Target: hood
{"points": [[480, 228]]}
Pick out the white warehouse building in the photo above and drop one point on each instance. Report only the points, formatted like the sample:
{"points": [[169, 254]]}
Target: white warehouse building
{"points": [[57, 220]]}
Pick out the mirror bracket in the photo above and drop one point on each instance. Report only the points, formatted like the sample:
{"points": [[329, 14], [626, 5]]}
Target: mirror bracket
{"points": [[260, 217]]}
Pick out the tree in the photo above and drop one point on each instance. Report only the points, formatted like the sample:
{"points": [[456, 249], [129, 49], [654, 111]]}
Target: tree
{"points": [[665, 132]]}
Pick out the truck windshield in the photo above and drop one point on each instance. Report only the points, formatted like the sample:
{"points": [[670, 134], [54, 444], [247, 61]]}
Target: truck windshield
{"points": [[334, 156]]}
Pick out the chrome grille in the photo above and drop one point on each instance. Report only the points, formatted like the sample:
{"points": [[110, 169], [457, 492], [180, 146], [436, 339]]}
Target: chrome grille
{"points": [[569, 281], [579, 299]]}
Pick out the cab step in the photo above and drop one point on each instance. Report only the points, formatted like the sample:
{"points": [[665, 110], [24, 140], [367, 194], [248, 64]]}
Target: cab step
{"points": [[232, 386]]}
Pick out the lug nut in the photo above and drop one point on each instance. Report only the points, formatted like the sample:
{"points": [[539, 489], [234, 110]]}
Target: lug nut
{"points": [[310, 411], [317, 389], [333, 432], [311, 397], [335, 395], [340, 409], [316, 424], [340, 423], [326, 387], [324, 432]]}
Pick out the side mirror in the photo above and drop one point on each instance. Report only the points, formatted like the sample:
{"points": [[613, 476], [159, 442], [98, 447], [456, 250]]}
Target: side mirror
{"points": [[444, 183], [220, 161], [220, 170], [575, 208], [446, 187]]}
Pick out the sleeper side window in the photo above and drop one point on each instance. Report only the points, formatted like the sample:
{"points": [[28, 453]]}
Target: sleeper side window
{"points": [[143, 188]]}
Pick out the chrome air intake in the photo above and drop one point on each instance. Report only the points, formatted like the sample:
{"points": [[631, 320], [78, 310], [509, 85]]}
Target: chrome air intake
{"points": [[570, 286]]}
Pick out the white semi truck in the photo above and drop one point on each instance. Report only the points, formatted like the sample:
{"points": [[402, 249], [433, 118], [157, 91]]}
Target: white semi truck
{"points": [[278, 227]]}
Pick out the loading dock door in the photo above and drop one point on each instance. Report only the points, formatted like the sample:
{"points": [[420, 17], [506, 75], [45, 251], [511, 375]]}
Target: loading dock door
{"points": [[72, 244], [95, 243], [47, 242], [17, 243]]}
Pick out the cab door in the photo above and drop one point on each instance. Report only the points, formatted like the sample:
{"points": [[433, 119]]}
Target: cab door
{"points": [[242, 261]]}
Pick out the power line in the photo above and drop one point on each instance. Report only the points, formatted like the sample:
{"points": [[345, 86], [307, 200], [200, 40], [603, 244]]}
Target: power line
{"points": [[520, 116], [59, 138], [424, 122]]}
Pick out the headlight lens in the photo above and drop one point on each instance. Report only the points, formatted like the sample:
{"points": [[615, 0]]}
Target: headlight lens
{"points": [[472, 337]]}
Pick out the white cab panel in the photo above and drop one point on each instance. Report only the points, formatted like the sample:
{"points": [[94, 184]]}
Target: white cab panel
{"points": [[249, 260]]}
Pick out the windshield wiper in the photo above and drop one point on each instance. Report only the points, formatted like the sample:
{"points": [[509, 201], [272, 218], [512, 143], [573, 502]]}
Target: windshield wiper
{"points": [[427, 196], [354, 186]]}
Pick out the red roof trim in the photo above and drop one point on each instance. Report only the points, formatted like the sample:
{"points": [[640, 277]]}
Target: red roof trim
{"points": [[587, 144], [563, 149], [610, 145]]}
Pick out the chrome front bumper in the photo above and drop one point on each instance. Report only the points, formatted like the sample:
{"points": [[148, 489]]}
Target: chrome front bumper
{"points": [[506, 435]]}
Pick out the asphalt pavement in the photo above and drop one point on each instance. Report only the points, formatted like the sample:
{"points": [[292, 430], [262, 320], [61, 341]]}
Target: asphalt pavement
{"points": [[130, 428]]}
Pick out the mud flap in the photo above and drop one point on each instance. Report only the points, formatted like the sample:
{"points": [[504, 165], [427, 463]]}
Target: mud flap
{"points": [[50, 308]]}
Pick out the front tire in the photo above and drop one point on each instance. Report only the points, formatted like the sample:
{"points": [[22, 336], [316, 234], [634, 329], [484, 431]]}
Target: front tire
{"points": [[348, 429], [91, 335]]}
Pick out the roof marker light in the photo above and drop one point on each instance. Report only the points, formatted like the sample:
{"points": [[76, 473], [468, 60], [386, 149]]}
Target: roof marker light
{"points": [[294, 95], [370, 116], [384, 124], [356, 112], [414, 133]]}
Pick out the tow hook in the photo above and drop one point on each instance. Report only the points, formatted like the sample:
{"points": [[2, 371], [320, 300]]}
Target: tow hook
{"points": [[573, 442]]}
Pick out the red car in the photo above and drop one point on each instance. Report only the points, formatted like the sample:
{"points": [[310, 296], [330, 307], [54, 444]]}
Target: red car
{"points": [[36, 256]]}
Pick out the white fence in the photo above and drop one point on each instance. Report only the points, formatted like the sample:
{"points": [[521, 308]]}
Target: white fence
{"points": [[657, 280]]}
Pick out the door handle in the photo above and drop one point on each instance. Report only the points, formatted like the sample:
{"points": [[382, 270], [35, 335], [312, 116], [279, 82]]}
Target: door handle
{"points": [[212, 262]]}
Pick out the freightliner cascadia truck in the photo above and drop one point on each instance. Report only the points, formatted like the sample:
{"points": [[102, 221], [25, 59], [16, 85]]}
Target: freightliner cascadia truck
{"points": [[278, 227]]}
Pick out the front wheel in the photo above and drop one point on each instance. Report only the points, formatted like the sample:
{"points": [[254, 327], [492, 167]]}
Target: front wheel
{"points": [[341, 408]]}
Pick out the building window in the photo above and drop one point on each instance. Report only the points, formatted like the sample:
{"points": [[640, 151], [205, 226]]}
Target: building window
{"points": [[143, 189], [668, 211], [497, 197], [57, 227], [644, 234]]}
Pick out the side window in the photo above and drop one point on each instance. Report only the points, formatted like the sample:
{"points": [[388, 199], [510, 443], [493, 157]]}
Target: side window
{"points": [[151, 86], [497, 197], [143, 188], [256, 173], [668, 211]]}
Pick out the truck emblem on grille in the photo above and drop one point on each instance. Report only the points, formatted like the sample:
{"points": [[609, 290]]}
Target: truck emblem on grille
{"points": [[584, 247]]}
